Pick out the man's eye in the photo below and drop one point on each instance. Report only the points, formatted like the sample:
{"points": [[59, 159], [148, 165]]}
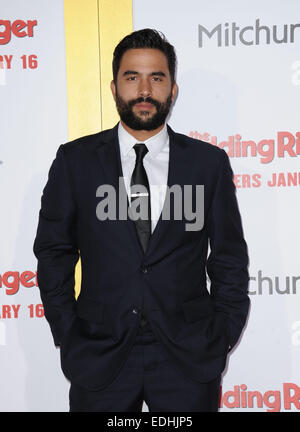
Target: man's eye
{"points": [[131, 78], [157, 79]]}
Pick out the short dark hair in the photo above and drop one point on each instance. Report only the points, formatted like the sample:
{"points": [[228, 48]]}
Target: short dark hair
{"points": [[146, 38]]}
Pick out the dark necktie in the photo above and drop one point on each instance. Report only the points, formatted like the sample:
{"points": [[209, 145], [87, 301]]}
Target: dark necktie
{"points": [[139, 177]]}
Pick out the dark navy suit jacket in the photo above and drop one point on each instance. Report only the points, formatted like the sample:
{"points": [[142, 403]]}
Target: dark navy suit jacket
{"points": [[197, 323]]}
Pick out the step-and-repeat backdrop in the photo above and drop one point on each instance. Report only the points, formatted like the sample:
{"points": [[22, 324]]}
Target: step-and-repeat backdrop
{"points": [[33, 123], [239, 89]]}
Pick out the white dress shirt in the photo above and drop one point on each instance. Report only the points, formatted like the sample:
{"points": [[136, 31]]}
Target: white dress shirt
{"points": [[156, 163]]}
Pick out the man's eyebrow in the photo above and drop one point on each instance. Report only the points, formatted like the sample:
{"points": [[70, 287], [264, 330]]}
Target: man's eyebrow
{"points": [[132, 72], [159, 73]]}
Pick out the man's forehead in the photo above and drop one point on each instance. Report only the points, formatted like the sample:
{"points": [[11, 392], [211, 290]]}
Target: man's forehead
{"points": [[144, 58]]}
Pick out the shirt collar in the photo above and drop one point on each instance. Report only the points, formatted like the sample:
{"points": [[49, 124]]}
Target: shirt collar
{"points": [[155, 144]]}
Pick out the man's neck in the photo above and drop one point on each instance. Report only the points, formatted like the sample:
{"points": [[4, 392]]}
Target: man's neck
{"points": [[142, 135]]}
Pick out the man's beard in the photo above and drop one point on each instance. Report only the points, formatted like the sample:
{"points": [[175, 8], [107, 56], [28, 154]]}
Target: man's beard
{"points": [[144, 121]]}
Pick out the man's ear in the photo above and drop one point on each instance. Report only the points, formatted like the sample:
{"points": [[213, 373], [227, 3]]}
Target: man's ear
{"points": [[174, 91], [113, 89]]}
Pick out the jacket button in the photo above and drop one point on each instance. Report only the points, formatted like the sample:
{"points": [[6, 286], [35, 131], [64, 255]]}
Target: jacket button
{"points": [[135, 311], [144, 270]]}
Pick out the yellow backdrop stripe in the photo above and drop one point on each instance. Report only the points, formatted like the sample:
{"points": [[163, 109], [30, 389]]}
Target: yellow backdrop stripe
{"points": [[82, 66], [115, 22], [92, 29]]}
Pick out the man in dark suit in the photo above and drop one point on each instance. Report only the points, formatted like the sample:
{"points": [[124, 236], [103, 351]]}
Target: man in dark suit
{"points": [[145, 326]]}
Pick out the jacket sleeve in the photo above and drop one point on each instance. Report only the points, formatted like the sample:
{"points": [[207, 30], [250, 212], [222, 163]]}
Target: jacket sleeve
{"points": [[56, 249], [227, 264]]}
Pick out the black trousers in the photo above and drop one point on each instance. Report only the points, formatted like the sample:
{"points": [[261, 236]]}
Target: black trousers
{"points": [[149, 376]]}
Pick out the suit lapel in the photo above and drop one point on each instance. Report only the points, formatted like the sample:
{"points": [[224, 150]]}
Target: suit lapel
{"points": [[110, 159], [177, 168], [108, 153]]}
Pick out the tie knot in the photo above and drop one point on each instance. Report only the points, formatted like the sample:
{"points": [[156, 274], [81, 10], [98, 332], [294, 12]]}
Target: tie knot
{"points": [[140, 150]]}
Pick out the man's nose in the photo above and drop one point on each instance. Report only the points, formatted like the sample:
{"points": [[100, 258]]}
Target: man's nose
{"points": [[145, 88]]}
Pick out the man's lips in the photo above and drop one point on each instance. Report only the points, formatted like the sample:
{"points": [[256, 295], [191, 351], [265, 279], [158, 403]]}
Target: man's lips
{"points": [[144, 106]]}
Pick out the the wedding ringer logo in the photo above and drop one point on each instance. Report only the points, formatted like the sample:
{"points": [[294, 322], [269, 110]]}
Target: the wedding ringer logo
{"points": [[17, 28], [182, 199], [230, 34]]}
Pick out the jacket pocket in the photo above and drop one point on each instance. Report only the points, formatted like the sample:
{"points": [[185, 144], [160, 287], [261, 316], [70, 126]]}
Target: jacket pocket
{"points": [[198, 308], [90, 310]]}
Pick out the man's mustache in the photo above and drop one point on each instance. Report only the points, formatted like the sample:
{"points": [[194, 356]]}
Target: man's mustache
{"points": [[145, 100]]}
